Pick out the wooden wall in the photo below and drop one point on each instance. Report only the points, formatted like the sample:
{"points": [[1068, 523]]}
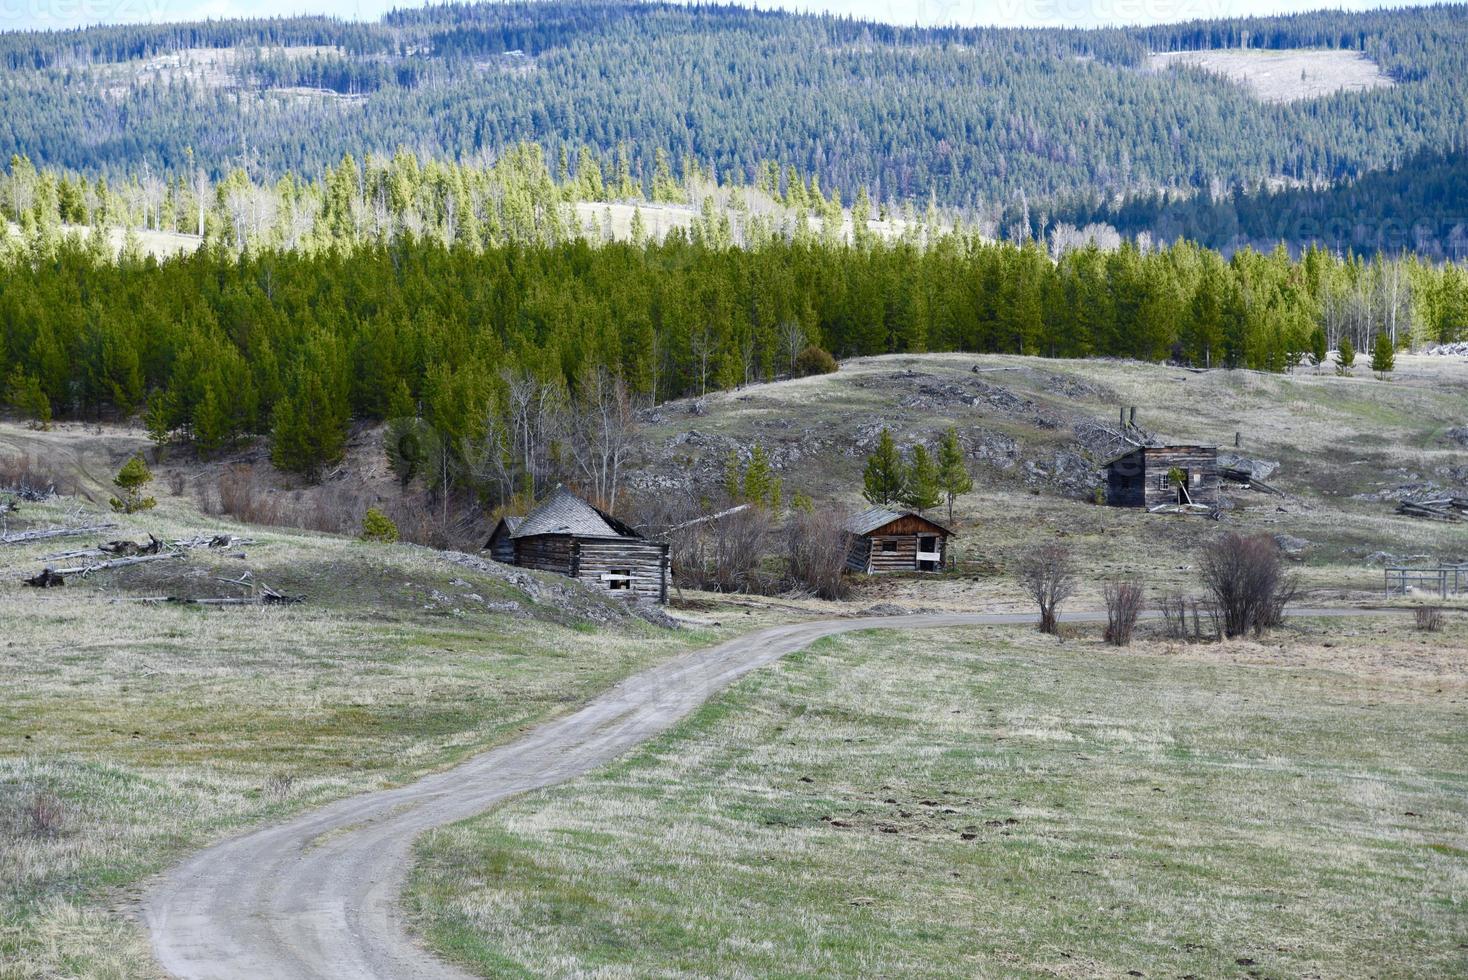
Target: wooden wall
{"points": [[646, 562], [502, 547], [869, 552], [593, 559], [1139, 479]]}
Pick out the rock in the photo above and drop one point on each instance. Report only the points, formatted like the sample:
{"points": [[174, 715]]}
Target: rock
{"points": [[1458, 434], [1258, 469], [1291, 545], [699, 407]]}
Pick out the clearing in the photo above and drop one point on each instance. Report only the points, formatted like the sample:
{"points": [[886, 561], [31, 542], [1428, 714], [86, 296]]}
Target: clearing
{"points": [[1283, 75], [984, 802]]}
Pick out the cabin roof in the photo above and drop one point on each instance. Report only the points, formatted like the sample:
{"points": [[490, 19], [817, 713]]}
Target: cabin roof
{"points": [[877, 517], [1187, 447], [565, 513]]}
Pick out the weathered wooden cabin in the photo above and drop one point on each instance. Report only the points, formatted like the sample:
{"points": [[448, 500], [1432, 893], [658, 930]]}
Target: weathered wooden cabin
{"points": [[567, 535], [1142, 477], [884, 541]]}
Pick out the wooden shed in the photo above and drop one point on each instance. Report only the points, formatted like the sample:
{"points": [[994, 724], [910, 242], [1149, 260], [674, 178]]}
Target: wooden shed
{"points": [[1141, 477], [569, 536], [884, 541]]}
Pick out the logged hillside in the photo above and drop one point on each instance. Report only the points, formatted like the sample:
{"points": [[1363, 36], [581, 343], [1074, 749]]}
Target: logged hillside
{"points": [[975, 117]]}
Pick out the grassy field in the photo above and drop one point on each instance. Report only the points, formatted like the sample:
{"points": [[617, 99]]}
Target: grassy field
{"points": [[151, 730], [987, 803]]}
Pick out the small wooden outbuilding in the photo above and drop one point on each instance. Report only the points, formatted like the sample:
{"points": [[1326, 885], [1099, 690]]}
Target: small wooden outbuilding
{"points": [[569, 536], [884, 541], [1142, 477]]}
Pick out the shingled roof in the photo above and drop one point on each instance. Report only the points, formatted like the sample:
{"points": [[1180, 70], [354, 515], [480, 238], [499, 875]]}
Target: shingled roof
{"points": [[565, 513], [869, 520]]}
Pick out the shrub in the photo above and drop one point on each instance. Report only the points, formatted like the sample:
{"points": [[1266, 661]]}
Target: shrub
{"points": [[377, 526], [1245, 577], [1429, 619], [817, 548], [1123, 605], [1047, 575], [814, 360], [131, 480], [44, 814]]}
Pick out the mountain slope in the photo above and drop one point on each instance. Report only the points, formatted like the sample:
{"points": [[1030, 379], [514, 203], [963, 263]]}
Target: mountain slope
{"points": [[973, 116]]}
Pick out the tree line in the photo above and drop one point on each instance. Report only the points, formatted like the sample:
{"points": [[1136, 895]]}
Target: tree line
{"points": [[219, 345]]}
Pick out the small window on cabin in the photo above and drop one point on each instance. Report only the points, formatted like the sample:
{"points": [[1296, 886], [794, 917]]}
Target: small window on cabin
{"points": [[620, 578], [889, 545]]}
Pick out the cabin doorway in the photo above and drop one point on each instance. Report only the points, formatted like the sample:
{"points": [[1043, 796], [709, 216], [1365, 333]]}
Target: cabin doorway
{"points": [[1185, 478], [927, 553]]}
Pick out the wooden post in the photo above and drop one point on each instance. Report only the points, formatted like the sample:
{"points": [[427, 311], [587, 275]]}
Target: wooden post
{"points": [[1121, 418], [1133, 416], [1238, 439]]}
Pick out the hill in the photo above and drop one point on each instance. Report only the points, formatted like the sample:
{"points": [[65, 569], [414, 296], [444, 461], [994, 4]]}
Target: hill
{"points": [[974, 117]]}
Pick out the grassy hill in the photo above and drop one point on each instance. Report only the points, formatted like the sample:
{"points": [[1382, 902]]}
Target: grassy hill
{"points": [[1036, 431]]}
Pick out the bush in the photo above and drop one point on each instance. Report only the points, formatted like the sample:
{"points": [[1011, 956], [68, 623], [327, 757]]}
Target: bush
{"points": [[1429, 619], [1047, 575], [45, 816], [817, 548], [1245, 577], [131, 480], [377, 526], [1123, 605], [814, 360]]}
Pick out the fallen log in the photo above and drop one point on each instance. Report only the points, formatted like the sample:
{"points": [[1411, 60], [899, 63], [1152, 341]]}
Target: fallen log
{"points": [[129, 549], [271, 599], [52, 577], [21, 537], [1430, 510]]}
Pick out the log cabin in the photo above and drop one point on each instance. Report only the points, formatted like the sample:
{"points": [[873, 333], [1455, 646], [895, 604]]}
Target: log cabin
{"points": [[1142, 477], [569, 536], [885, 541]]}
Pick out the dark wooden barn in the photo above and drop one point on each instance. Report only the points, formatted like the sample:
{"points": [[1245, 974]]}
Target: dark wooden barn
{"points": [[567, 535], [1141, 477], [895, 541]]}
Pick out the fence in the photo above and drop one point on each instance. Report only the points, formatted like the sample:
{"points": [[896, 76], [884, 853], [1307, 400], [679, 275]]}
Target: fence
{"points": [[1445, 579]]}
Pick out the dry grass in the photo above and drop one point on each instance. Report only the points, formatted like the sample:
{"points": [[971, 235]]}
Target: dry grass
{"points": [[135, 733], [987, 803]]}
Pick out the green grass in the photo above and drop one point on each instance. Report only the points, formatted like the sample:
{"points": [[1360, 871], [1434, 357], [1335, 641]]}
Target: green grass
{"points": [[160, 728], [983, 803]]}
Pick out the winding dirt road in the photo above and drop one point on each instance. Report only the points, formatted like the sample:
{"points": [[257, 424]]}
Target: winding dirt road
{"points": [[318, 897]]}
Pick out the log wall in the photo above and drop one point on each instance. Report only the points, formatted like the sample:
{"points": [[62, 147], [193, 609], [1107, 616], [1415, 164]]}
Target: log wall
{"points": [[600, 563]]}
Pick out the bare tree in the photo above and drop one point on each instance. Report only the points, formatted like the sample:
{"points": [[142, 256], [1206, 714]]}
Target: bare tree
{"points": [[792, 341], [1123, 605], [201, 196], [603, 429], [1047, 575], [818, 545], [1246, 579]]}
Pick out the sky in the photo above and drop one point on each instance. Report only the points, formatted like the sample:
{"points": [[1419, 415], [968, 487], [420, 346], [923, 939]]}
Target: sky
{"points": [[52, 14]]}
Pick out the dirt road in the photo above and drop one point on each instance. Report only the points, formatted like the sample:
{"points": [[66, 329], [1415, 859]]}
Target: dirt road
{"points": [[318, 897]]}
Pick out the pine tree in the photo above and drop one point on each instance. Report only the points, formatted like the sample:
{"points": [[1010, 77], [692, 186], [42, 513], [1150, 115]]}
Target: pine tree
{"points": [[953, 474], [924, 489], [130, 481], [1383, 356], [886, 476], [1345, 358], [23, 393], [758, 479], [1317, 347], [310, 430]]}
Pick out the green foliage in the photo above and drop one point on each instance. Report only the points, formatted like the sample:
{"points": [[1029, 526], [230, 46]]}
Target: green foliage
{"points": [[130, 481], [884, 480], [753, 482], [23, 393], [310, 422], [814, 360], [1383, 355], [923, 489], [1317, 346], [953, 474], [1345, 357], [377, 526]]}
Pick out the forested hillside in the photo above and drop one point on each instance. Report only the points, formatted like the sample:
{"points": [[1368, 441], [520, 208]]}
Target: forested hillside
{"points": [[214, 347], [982, 118]]}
